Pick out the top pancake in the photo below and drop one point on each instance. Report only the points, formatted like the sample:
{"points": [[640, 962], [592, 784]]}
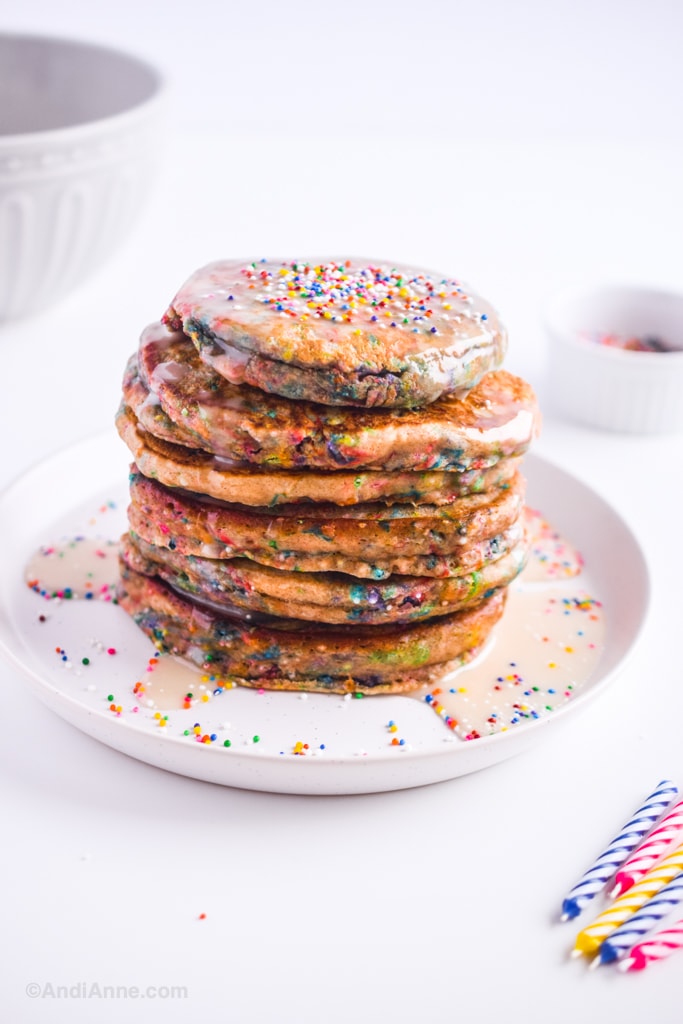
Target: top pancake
{"points": [[495, 419], [340, 332]]}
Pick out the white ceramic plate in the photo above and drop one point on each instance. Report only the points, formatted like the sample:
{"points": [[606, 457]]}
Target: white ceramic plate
{"points": [[73, 493]]}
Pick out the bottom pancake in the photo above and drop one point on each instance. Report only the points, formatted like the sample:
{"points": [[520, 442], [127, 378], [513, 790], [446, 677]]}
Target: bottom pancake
{"points": [[288, 654]]}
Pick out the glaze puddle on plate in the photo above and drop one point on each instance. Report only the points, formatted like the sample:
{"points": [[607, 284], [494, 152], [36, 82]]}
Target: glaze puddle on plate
{"points": [[552, 627]]}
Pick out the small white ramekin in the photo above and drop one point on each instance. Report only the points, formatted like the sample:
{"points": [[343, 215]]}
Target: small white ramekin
{"points": [[80, 143], [616, 388]]}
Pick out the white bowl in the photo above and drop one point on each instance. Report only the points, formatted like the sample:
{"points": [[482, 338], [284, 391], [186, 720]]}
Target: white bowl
{"points": [[80, 134], [612, 387]]}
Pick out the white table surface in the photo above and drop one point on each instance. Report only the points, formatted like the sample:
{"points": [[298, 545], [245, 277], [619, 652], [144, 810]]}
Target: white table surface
{"points": [[437, 903]]}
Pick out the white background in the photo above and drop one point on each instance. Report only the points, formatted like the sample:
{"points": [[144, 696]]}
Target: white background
{"points": [[521, 146]]}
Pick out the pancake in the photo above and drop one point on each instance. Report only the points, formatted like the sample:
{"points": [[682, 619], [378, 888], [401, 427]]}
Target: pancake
{"points": [[319, 597], [170, 519], [506, 478], [285, 654], [494, 420], [469, 558], [339, 332], [194, 470]]}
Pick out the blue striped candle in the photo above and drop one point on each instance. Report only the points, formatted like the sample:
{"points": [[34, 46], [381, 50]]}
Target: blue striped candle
{"points": [[599, 874]]}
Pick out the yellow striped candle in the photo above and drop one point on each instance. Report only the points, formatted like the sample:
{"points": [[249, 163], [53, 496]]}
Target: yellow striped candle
{"points": [[593, 935]]}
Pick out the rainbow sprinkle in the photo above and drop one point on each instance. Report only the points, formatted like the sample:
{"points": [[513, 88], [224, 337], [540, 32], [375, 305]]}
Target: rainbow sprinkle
{"points": [[363, 295]]}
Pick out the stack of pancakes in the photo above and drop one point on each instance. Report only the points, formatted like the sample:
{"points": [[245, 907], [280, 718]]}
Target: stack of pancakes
{"points": [[326, 491]]}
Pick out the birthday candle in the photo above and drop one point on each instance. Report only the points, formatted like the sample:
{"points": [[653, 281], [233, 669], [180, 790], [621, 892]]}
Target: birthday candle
{"points": [[589, 939], [599, 874], [621, 940], [660, 946], [649, 852]]}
